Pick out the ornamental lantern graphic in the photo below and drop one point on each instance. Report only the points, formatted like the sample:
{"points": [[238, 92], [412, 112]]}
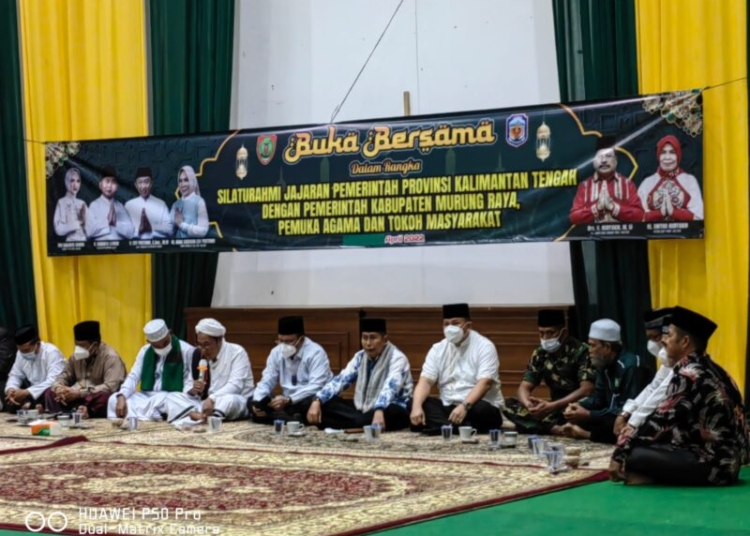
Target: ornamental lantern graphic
{"points": [[543, 142], [241, 168]]}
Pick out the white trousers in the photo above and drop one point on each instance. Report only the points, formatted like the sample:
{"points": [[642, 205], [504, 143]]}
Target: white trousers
{"points": [[146, 406], [228, 407]]}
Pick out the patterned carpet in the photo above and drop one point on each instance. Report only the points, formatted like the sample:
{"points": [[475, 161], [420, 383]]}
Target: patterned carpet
{"points": [[252, 490], [248, 435]]}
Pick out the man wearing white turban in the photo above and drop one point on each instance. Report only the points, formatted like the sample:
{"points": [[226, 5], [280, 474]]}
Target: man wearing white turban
{"points": [[223, 389], [621, 375], [161, 367]]}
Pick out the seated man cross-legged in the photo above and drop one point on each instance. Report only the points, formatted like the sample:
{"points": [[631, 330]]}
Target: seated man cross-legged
{"points": [[621, 375], [297, 364], [698, 435], [161, 367], [227, 384], [464, 365], [89, 377], [383, 391], [37, 366], [563, 364]]}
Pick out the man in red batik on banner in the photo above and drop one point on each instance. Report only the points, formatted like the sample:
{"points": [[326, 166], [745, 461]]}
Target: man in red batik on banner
{"points": [[607, 196]]}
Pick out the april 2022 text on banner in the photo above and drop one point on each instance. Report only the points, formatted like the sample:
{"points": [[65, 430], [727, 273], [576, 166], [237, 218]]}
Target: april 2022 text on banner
{"points": [[618, 169]]}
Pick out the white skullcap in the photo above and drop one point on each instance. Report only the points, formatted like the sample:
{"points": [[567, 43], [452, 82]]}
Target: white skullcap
{"points": [[605, 330], [156, 330], [211, 327]]}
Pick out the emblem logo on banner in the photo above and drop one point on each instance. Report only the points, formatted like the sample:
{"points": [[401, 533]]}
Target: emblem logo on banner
{"points": [[517, 129], [266, 148]]}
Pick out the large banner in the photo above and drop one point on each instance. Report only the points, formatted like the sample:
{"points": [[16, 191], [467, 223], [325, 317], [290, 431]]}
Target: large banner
{"points": [[622, 169]]}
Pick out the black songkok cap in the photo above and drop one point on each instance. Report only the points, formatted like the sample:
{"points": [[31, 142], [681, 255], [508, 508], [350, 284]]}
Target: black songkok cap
{"points": [[291, 325], [456, 310], [109, 171], [550, 318], [695, 324], [143, 172], [654, 319], [372, 325], [26, 334], [605, 142], [87, 331]]}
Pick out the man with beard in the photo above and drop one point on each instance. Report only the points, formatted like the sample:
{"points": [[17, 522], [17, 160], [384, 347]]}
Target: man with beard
{"points": [[621, 375]]}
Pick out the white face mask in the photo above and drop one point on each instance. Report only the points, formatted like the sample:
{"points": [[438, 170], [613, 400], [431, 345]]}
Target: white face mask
{"points": [[551, 345], [654, 348], [161, 352], [454, 334], [80, 353], [29, 356], [287, 350], [662, 355]]}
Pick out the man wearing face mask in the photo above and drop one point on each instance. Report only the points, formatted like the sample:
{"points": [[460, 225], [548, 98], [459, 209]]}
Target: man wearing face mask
{"points": [[37, 366], [90, 376], [698, 436], [621, 375], [161, 367], [465, 366], [222, 390], [383, 386], [635, 411], [563, 364], [299, 366]]}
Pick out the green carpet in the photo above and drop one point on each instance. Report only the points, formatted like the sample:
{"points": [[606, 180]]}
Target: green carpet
{"points": [[606, 508]]}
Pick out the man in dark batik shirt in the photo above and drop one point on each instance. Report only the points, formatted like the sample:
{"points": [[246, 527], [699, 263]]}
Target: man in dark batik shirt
{"points": [[563, 364], [698, 435]]}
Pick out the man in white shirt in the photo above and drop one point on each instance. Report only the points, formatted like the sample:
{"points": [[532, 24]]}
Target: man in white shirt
{"points": [[383, 391], [636, 411], [149, 214], [161, 367], [299, 366], [226, 386], [37, 366], [106, 218], [464, 365]]}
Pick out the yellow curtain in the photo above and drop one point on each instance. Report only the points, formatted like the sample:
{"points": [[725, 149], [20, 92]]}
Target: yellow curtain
{"points": [[84, 72], [690, 44]]}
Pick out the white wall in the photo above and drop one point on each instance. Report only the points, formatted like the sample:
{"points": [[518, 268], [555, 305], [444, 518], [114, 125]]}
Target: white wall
{"points": [[294, 64]]}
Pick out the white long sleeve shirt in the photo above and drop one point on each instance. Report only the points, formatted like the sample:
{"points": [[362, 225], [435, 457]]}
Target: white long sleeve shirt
{"points": [[457, 369], [230, 372], [41, 372], [650, 398], [300, 376], [66, 219], [97, 220], [157, 214], [134, 378]]}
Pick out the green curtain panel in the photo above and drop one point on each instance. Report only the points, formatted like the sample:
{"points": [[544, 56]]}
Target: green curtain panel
{"points": [[597, 59], [191, 83], [17, 302]]}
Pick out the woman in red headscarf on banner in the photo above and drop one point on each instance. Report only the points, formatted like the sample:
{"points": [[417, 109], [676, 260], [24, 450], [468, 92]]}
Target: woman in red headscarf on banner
{"points": [[670, 194]]}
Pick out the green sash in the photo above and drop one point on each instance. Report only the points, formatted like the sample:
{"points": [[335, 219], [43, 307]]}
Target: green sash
{"points": [[174, 369]]}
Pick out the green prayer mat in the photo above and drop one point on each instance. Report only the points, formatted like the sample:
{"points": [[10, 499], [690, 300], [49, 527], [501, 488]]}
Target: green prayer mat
{"points": [[607, 508]]}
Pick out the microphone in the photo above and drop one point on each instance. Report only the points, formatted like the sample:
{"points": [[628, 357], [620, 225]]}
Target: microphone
{"points": [[202, 368]]}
